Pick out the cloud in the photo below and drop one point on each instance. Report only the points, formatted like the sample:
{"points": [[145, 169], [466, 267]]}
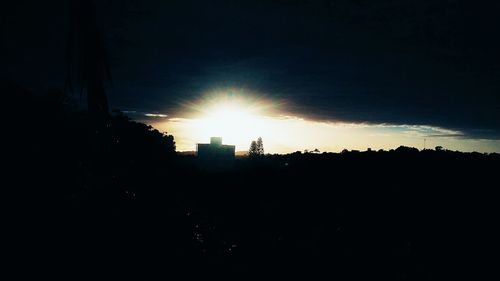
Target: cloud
{"points": [[349, 61], [459, 135], [155, 115]]}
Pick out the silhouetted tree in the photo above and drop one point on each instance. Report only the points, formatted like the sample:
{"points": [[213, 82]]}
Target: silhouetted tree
{"points": [[260, 146], [256, 148], [253, 151], [406, 150]]}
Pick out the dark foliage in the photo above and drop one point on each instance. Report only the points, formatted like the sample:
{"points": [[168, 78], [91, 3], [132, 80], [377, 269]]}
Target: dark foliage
{"points": [[256, 148], [260, 146], [253, 151]]}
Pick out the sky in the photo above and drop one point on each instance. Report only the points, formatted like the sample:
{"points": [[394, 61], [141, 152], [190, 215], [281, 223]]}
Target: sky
{"points": [[306, 74]]}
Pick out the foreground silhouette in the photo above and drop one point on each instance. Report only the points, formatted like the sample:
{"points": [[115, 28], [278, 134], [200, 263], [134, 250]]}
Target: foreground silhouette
{"points": [[116, 198]]}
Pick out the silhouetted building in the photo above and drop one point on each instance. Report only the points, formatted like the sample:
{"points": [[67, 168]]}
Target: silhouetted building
{"points": [[215, 151]]}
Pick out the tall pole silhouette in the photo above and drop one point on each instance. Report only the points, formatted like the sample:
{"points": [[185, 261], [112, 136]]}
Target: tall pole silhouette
{"points": [[87, 60]]}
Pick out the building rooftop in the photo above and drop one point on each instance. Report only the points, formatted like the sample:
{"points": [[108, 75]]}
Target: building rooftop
{"points": [[215, 150]]}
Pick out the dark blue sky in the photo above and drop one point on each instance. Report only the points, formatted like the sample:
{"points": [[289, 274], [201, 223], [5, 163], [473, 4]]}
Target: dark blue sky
{"points": [[401, 62]]}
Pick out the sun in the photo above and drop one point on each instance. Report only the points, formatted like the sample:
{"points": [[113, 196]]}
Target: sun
{"points": [[229, 115], [234, 122], [237, 118]]}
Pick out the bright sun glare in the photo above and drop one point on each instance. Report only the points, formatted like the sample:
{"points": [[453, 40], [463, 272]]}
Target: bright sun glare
{"points": [[236, 121]]}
